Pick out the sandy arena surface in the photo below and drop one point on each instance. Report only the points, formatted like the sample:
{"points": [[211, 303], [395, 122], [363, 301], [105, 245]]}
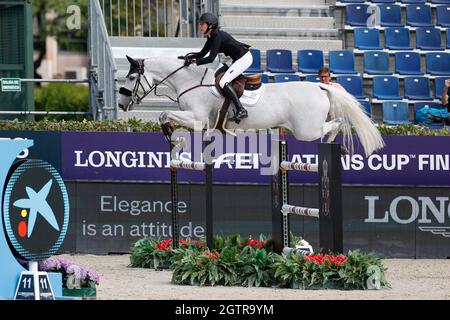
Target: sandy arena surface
{"points": [[424, 279]]}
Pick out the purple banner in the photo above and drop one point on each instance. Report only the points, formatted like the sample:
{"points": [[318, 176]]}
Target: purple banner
{"points": [[406, 160]]}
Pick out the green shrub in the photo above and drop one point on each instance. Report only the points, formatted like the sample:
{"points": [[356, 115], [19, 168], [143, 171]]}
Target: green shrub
{"points": [[62, 97], [138, 125]]}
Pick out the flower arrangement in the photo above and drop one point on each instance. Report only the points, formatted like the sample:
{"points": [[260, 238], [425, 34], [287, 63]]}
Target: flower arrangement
{"points": [[156, 253], [318, 271], [74, 276], [250, 262]]}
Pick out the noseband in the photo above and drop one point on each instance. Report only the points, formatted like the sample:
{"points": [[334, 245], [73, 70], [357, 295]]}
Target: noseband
{"points": [[135, 97]]}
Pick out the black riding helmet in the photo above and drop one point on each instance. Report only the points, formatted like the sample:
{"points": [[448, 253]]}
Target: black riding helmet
{"points": [[210, 19]]}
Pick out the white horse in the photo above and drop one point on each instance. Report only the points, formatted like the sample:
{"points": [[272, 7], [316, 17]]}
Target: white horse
{"points": [[301, 107]]}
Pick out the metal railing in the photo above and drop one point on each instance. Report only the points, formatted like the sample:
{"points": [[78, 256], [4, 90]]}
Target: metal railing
{"points": [[155, 18], [49, 113], [102, 67]]}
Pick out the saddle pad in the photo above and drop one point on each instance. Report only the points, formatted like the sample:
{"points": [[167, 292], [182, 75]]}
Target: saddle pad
{"points": [[248, 99]]}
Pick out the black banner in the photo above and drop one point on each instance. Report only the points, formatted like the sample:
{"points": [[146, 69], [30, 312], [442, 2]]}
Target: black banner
{"points": [[395, 222]]}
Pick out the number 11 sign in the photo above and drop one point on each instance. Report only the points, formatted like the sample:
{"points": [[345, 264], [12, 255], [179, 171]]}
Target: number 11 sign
{"points": [[34, 285]]}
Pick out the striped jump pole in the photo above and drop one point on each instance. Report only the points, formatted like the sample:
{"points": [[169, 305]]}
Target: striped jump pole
{"points": [[330, 198], [177, 164]]}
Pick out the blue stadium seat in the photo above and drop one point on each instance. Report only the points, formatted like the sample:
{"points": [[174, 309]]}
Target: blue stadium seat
{"points": [[279, 61], [353, 84], [286, 77], [417, 88], [356, 15], [407, 62], [312, 78], [390, 15], [351, 1], [418, 15], [395, 112], [264, 78], [423, 104], [438, 63], [382, 1], [428, 39], [367, 106], [309, 61], [367, 38], [447, 37], [397, 38], [256, 64], [427, 104], [443, 16], [439, 83], [376, 62], [342, 61], [412, 1], [440, 1], [386, 88]]}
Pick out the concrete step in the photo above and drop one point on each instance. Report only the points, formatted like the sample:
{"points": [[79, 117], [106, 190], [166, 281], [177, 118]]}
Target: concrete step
{"points": [[299, 33], [277, 22], [293, 44], [243, 9]]}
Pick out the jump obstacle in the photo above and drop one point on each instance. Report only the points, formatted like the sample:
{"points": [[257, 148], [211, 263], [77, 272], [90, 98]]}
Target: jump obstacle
{"points": [[176, 164], [330, 197]]}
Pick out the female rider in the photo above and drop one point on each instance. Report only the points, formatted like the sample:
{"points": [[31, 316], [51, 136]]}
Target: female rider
{"points": [[220, 41]]}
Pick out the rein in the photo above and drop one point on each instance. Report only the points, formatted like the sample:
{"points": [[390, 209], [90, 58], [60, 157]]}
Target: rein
{"points": [[155, 86], [197, 86]]}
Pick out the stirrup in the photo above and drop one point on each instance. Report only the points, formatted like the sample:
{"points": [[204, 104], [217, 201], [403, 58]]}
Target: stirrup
{"points": [[240, 115]]}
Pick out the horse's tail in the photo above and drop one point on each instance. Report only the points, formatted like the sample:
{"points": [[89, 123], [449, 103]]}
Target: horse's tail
{"points": [[345, 106]]}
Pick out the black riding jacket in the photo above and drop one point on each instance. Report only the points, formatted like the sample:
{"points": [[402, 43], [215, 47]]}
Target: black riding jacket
{"points": [[220, 41]]}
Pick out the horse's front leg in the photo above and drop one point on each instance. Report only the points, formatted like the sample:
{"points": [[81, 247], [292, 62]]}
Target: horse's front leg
{"points": [[184, 118]]}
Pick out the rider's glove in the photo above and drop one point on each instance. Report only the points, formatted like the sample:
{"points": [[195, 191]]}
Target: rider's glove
{"points": [[188, 61]]}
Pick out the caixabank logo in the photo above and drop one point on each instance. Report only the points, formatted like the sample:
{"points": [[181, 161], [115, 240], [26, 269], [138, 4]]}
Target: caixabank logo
{"points": [[35, 209]]}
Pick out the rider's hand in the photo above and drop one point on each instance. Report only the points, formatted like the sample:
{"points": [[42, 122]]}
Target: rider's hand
{"points": [[188, 61]]}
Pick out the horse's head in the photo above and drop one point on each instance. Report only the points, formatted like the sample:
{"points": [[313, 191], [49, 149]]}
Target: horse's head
{"points": [[137, 85]]}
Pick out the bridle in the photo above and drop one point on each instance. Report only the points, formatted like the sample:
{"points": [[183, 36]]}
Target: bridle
{"points": [[137, 99]]}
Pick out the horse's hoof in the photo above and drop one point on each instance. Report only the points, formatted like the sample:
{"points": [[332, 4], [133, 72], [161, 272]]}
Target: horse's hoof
{"points": [[344, 151]]}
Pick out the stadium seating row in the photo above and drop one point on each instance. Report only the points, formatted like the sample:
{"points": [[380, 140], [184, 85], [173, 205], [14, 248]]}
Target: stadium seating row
{"points": [[384, 87], [397, 112], [389, 15], [343, 62], [386, 16], [395, 1], [398, 38]]}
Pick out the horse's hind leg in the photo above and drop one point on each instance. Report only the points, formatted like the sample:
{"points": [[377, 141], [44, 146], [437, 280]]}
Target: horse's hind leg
{"points": [[332, 129]]}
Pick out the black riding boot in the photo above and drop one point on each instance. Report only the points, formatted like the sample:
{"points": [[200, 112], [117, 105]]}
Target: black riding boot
{"points": [[241, 113]]}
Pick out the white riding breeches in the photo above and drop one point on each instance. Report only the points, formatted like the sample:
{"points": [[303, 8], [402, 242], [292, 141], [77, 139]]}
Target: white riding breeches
{"points": [[236, 69]]}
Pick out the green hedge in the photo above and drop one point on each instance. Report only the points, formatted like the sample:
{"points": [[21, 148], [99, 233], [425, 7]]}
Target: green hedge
{"points": [[137, 125], [62, 97]]}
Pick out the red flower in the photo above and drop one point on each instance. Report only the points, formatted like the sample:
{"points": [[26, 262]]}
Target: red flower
{"points": [[212, 255], [165, 245], [335, 261], [256, 243]]}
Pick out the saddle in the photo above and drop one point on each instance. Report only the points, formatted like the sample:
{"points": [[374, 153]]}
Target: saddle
{"points": [[241, 83]]}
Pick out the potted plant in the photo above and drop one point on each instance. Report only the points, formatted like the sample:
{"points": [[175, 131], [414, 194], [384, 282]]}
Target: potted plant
{"points": [[78, 280]]}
